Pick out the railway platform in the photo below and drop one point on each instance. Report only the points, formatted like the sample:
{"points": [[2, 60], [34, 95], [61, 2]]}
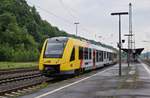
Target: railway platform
{"points": [[134, 83]]}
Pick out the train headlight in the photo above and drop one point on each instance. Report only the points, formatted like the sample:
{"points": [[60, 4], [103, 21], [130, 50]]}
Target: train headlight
{"points": [[47, 61]]}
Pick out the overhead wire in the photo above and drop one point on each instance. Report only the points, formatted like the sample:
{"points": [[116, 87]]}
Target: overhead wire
{"points": [[61, 18], [53, 14], [68, 9]]}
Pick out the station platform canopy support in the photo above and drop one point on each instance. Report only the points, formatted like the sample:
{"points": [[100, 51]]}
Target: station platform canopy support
{"points": [[134, 53]]}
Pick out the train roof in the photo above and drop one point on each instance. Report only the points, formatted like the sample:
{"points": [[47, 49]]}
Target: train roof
{"points": [[58, 38], [86, 43]]}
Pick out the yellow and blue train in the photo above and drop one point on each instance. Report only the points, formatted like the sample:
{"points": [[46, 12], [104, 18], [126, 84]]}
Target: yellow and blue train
{"points": [[66, 55]]}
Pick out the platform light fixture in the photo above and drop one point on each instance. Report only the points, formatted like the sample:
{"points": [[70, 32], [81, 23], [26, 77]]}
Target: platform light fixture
{"points": [[76, 23], [119, 45]]}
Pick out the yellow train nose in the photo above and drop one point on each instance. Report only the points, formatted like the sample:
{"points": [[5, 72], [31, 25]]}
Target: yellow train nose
{"points": [[52, 61]]}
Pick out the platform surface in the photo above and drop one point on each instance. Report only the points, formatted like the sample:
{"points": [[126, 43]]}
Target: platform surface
{"points": [[134, 83]]}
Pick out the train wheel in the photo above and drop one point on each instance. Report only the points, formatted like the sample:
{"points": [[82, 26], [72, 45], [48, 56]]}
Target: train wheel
{"points": [[77, 72], [82, 70]]}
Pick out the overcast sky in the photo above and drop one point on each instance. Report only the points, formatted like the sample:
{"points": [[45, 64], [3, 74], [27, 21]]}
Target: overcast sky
{"points": [[95, 19]]}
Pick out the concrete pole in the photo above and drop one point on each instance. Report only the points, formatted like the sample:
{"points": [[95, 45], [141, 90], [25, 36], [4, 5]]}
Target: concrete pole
{"points": [[119, 45]]}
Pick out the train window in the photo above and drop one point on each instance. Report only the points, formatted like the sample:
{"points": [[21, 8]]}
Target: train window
{"points": [[90, 53], [54, 47], [97, 56], [104, 55], [107, 54], [54, 50], [80, 53], [101, 53], [73, 54], [85, 53], [110, 56]]}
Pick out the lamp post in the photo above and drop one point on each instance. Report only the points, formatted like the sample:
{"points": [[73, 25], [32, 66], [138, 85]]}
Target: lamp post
{"points": [[130, 24], [76, 23], [100, 38], [119, 45]]}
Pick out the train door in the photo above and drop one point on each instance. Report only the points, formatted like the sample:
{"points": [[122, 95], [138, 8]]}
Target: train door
{"points": [[81, 56], [73, 57], [79, 61], [94, 59]]}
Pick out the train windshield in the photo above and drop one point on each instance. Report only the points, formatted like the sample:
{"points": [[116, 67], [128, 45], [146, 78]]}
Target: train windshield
{"points": [[55, 48]]}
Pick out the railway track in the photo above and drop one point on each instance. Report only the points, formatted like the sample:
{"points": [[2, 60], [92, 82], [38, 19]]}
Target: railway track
{"points": [[13, 80], [146, 61], [18, 80], [18, 70], [17, 77], [21, 84]]}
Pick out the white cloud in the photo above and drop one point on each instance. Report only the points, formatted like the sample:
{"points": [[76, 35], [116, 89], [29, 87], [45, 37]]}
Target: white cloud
{"points": [[94, 16]]}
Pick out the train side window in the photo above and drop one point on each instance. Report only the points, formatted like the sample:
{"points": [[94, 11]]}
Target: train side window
{"points": [[108, 55], [85, 53], [97, 56], [101, 56], [104, 55], [90, 54], [73, 54], [80, 53]]}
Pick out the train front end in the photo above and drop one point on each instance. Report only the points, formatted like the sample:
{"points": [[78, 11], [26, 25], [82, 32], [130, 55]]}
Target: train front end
{"points": [[51, 55]]}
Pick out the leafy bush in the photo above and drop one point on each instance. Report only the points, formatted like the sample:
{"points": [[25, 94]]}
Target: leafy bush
{"points": [[22, 31]]}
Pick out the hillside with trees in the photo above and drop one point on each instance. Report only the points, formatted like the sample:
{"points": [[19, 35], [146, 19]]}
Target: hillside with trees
{"points": [[22, 31]]}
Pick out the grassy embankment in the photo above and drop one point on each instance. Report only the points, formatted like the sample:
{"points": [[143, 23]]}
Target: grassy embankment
{"points": [[13, 65]]}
